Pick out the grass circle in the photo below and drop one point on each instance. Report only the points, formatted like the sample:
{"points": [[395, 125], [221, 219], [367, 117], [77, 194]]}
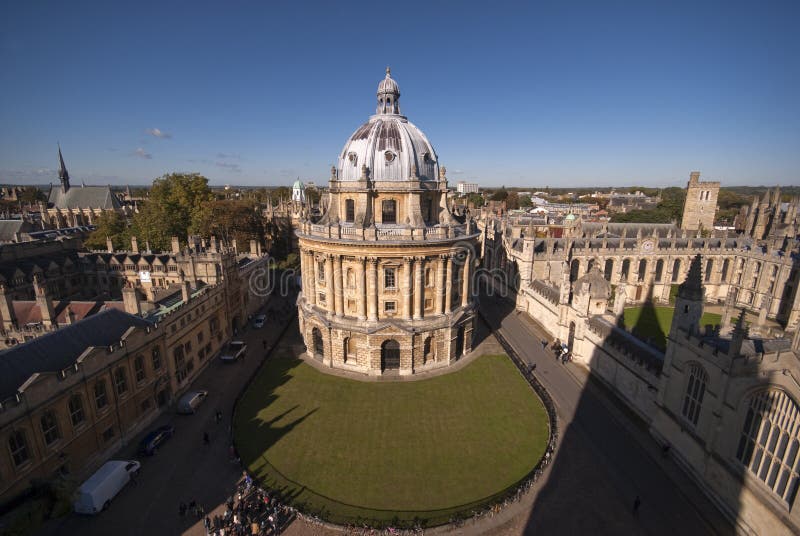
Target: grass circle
{"points": [[390, 451]]}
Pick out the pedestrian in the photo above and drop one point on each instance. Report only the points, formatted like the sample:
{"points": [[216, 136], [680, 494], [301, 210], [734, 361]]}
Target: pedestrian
{"points": [[637, 502], [206, 439], [207, 524], [544, 344]]}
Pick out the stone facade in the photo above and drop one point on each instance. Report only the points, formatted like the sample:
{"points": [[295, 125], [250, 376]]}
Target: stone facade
{"points": [[700, 206], [387, 269]]}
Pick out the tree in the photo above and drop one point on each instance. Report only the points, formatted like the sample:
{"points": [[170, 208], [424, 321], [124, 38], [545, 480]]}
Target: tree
{"points": [[232, 219], [476, 200], [178, 205], [512, 201], [31, 194], [112, 225], [499, 195], [525, 201]]}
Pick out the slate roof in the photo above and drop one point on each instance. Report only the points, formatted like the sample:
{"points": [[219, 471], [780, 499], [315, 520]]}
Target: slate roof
{"points": [[59, 349], [29, 312], [9, 227], [83, 197]]}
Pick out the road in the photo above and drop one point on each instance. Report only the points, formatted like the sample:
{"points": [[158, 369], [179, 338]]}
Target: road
{"points": [[605, 457], [184, 469]]}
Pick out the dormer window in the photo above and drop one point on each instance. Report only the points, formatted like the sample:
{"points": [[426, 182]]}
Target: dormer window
{"points": [[353, 158], [426, 157], [389, 156]]}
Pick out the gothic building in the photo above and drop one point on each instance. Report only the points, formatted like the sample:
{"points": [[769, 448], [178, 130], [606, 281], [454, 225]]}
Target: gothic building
{"points": [[387, 268], [71, 206]]}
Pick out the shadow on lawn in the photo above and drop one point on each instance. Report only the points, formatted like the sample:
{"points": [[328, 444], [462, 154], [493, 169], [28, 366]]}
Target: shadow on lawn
{"points": [[647, 327]]}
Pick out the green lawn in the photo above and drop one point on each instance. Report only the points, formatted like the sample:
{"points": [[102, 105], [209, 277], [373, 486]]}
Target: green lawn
{"points": [[648, 322], [380, 450]]}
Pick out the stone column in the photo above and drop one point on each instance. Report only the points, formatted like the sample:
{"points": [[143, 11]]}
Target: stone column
{"points": [[406, 286], [337, 286], [361, 289], [330, 299], [372, 289], [466, 276], [418, 287], [448, 296], [309, 288], [440, 284]]}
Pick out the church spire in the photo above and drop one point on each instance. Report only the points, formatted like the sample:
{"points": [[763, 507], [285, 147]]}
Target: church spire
{"points": [[63, 174]]}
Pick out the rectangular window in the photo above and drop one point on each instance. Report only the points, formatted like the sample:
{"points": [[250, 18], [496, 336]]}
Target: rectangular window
{"points": [[180, 365], [321, 272], [321, 298], [389, 211], [76, 413], [50, 428], [100, 395], [121, 381], [428, 303], [156, 359], [390, 306], [389, 278], [138, 367], [19, 447], [350, 210]]}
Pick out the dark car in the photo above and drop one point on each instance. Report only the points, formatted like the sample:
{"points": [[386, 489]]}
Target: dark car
{"points": [[154, 439]]}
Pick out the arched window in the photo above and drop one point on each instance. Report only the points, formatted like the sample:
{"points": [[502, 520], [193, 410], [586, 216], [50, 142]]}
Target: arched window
{"points": [[349, 210], [642, 269], [318, 344], [676, 270], [709, 269], [100, 396], [659, 269], [574, 269], [608, 269], [389, 211], [76, 413], [590, 265], [768, 446], [50, 429], [695, 391], [725, 267], [626, 270], [18, 445], [121, 381]]}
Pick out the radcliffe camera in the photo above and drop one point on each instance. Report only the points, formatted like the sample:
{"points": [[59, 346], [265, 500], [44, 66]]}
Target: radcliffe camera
{"points": [[344, 268]]}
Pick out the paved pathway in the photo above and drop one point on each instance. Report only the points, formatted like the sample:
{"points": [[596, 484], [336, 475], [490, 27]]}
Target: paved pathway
{"points": [[184, 468]]}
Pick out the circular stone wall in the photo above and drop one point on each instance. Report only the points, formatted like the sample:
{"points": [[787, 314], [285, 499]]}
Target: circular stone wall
{"points": [[359, 451]]}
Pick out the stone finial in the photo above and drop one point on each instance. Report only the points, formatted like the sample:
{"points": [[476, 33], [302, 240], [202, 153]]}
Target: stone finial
{"points": [[364, 174]]}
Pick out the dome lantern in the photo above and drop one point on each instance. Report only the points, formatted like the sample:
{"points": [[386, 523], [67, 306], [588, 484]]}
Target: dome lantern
{"points": [[388, 95]]}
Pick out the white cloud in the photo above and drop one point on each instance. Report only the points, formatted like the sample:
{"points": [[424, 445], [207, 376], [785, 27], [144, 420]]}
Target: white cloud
{"points": [[158, 133], [141, 153], [229, 166]]}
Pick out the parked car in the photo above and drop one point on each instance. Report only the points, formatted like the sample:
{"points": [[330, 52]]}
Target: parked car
{"points": [[234, 351], [258, 322], [188, 403], [96, 493], [154, 439]]}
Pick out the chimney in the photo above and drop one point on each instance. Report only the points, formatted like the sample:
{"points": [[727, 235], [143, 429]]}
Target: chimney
{"points": [[233, 245], [69, 316], [134, 244], [43, 301], [176, 245], [253, 248], [109, 245], [185, 290], [130, 300], [214, 246], [7, 308]]}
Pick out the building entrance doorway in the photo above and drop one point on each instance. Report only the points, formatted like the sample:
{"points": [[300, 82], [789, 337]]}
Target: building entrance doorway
{"points": [[390, 355]]}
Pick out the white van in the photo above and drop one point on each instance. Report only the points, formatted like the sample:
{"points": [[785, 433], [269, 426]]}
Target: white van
{"points": [[95, 494]]}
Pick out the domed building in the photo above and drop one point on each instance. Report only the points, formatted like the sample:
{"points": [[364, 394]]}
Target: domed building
{"points": [[387, 268]]}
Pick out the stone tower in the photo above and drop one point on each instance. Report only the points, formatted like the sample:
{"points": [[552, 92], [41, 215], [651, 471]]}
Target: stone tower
{"points": [[700, 205], [689, 301]]}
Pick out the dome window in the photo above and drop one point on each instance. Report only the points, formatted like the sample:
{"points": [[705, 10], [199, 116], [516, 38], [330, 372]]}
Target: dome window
{"points": [[389, 156], [426, 157], [353, 158]]}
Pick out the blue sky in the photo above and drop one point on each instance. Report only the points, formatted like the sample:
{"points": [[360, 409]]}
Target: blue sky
{"points": [[527, 94]]}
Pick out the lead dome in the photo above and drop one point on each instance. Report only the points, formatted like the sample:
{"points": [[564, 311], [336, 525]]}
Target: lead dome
{"points": [[388, 147]]}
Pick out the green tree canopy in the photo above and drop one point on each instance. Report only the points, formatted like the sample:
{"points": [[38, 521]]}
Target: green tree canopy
{"points": [[112, 225], [178, 205]]}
